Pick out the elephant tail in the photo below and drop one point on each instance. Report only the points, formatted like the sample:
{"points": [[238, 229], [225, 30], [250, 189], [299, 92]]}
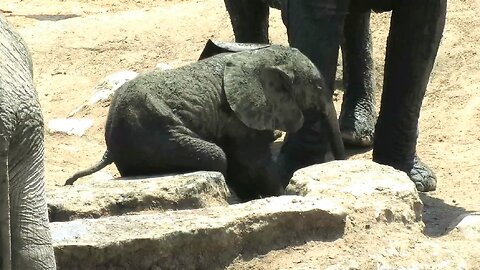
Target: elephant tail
{"points": [[106, 160]]}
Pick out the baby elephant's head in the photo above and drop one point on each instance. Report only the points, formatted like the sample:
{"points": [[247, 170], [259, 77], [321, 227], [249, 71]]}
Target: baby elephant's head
{"points": [[268, 97], [283, 94]]}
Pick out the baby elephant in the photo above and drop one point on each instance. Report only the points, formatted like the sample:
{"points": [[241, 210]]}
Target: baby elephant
{"points": [[217, 114]]}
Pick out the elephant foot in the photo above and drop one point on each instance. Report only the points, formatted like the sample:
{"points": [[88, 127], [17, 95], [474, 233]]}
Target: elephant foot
{"points": [[357, 126], [423, 177]]}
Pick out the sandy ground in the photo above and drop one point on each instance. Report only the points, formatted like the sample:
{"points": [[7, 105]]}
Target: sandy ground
{"points": [[76, 43]]}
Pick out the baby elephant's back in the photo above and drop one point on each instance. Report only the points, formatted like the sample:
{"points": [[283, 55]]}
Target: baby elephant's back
{"points": [[188, 96]]}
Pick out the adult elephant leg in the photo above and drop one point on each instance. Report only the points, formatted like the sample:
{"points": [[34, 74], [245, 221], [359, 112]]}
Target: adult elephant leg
{"points": [[249, 20], [415, 33], [5, 224], [316, 29], [358, 116], [31, 238]]}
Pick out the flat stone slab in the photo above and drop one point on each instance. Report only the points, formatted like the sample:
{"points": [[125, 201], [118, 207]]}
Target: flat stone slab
{"points": [[116, 197], [378, 192], [208, 238]]}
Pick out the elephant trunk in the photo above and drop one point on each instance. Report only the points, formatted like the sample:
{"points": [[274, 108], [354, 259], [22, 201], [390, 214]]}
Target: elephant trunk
{"points": [[334, 134], [320, 125]]}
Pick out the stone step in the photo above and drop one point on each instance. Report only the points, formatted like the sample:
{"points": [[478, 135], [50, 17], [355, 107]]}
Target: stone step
{"points": [[367, 190], [208, 238], [116, 197]]}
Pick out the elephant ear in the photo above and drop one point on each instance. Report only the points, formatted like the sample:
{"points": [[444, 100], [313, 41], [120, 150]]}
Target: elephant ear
{"points": [[262, 98], [216, 47]]}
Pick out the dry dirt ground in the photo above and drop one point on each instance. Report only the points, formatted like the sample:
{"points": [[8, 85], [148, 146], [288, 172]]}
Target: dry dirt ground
{"points": [[76, 43]]}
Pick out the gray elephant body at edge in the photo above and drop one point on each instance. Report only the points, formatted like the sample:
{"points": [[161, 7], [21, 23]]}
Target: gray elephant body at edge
{"points": [[217, 114], [25, 236]]}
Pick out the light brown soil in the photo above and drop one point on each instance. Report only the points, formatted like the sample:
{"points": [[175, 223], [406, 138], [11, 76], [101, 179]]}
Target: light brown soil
{"points": [[76, 43]]}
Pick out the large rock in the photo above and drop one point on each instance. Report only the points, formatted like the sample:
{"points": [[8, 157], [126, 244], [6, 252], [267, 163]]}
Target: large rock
{"points": [[372, 191], [207, 238], [115, 197], [338, 199]]}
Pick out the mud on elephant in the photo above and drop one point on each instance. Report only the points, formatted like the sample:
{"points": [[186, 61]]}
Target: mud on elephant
{"points": [[25, 241], [218, 114]]}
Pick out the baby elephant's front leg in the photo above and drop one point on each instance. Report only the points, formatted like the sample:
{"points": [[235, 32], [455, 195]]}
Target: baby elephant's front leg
{"points": [[251, 182], [251, 171]]}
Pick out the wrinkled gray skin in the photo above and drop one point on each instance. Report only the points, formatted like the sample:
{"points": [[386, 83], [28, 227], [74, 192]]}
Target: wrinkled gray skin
{"points": [[25, 241], [318, 27], [217, 114]]}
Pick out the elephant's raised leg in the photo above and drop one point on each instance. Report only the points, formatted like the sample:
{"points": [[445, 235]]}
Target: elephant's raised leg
{"points": [[249, 20], [358, 116], [415, 33]]}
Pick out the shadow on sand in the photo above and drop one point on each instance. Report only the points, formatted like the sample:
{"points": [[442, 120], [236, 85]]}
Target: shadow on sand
{"points": [[438, 215], [44, 17]]}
